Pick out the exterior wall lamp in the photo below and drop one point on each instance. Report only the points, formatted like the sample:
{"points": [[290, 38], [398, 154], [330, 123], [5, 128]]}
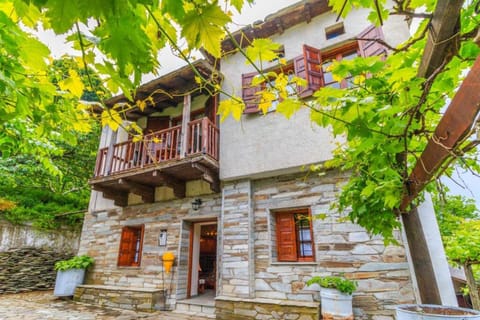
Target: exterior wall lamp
{"points": [[196, 204]]}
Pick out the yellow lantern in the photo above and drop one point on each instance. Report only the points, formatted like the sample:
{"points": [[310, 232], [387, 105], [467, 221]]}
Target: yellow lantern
{"points": [[168, 259]]}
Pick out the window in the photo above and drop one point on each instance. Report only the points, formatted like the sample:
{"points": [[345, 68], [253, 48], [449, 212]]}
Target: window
{"points": [[130, 253], [344, 53], [334, 31], [294, 235], [313, 67], [252, 99]]}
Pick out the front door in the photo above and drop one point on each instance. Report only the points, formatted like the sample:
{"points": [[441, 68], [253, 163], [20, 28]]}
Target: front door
{"points": [[203, 258]]}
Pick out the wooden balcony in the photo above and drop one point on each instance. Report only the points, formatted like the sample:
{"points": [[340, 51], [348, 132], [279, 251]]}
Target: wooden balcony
{"points": [[159, 159]]}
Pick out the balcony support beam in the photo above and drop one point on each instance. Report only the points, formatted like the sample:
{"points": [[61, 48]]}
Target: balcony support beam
{"points": [[178, 186], [209, 176], [119, 197], [146, 192]]}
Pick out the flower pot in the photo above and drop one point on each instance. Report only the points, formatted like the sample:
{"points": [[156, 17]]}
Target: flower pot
{"points": [[434, 312], [67, 281], [335, 305]]}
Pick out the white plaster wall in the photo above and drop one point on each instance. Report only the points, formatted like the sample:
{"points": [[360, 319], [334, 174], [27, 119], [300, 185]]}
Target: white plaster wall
{"points": [[270, 143]]}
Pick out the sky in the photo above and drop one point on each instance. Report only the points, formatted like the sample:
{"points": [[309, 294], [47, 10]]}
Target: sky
{"points": [[464, 184]]}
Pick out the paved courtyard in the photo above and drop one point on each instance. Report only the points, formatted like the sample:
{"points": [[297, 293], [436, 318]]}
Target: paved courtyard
{"points": [[45, 306]]}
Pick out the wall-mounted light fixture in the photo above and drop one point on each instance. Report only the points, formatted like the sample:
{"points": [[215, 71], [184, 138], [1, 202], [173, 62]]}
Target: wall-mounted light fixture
{"points": [[196, 204], [162, 238]]}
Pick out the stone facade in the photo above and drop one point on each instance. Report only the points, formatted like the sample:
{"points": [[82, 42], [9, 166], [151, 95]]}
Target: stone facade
{"points": [[101, 239], [382, 272]]}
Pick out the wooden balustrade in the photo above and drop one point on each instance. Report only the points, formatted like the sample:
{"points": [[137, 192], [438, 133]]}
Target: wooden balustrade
{"points": [[160, 146]]}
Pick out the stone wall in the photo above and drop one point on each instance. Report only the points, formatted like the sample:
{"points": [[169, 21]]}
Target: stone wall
{"points": [[244, 309], [18, 236], [341, 247], [236, 255], [101, 238], [144, 300], [28, 269]]}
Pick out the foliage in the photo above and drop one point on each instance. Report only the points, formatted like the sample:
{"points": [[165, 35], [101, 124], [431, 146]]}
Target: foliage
{"points": [[386, 116], [452, 211], [343, 285], [77, 262], [463, 246], [41, 197]]}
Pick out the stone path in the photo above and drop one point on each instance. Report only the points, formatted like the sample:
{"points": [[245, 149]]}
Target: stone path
{"points": [[45, 306]]}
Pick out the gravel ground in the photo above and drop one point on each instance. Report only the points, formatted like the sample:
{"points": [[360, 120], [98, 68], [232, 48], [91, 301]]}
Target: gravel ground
{"points": [[44, 305]]}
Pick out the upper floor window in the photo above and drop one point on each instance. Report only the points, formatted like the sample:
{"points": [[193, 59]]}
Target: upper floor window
{"points": [[313, 67], [294, 235], [130, 253]]}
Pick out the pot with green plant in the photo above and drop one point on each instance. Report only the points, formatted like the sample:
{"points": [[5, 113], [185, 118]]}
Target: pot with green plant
{"points": [[70, 273], [335, 296]]}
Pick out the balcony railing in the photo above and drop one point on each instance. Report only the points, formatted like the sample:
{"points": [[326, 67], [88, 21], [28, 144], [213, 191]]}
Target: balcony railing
{"points": [[158, 147]]}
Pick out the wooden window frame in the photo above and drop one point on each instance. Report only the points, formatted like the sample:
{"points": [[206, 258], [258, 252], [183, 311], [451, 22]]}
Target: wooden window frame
{"points": [[338, 54], [129, 261], [309, 66], [288, 250]]}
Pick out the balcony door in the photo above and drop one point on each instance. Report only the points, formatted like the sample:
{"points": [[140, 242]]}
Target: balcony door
{"points": [[155, 124]]}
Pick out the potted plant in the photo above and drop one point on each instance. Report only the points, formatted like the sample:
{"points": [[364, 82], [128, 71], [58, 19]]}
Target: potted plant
{"points": [[335, 296], [70, 273]]}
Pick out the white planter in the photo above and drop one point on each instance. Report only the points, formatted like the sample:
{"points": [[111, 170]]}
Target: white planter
{"points": [[67, 281], [335, 305], [434, 312]]}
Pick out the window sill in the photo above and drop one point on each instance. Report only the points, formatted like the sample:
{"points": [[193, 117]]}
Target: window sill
{"points": [[129, 267], [294, 263]]}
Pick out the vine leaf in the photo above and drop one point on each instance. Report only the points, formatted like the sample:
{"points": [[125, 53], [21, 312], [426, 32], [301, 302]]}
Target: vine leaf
{"points": [[205, 28]]}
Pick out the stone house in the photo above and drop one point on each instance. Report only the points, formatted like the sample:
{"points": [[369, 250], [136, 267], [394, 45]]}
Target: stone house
{"points": [[248, 225]]}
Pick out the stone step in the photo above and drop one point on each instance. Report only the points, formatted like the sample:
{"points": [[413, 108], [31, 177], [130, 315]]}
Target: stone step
{"points": [[195, 309]]}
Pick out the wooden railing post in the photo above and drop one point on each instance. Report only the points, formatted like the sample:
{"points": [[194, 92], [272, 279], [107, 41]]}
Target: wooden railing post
{"points": [[185, 120], [205, 137], [109, 160]]}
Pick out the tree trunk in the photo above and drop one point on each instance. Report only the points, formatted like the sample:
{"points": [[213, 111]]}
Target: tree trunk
{"points": [[472, 286]]}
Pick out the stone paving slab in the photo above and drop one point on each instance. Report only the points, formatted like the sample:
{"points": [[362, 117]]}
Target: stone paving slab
{"points": [[43, 305]]}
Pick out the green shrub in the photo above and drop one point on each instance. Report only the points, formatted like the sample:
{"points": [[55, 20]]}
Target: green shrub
{"points": [[340, 283], [78, 262]]}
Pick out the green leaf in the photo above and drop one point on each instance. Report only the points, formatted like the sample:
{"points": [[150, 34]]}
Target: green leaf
{"points": [[262, 50], [289, 106], [62, 14], [204, 28], [173, 8]]}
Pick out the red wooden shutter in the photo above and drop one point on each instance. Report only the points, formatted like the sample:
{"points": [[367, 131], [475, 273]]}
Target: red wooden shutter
{"points": [[127, 247], [249, 93], [309, 69], [371, 47], [299, 66], [286, 237]]}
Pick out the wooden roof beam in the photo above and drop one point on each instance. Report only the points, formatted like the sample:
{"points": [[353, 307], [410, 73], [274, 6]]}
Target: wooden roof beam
{"points": [[443, 36], [454, 126]]}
